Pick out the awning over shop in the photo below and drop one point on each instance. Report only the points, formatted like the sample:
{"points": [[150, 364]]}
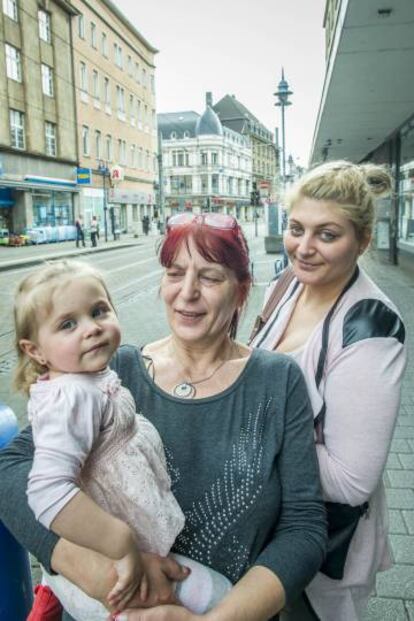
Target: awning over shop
{"points": [[369, 89]]}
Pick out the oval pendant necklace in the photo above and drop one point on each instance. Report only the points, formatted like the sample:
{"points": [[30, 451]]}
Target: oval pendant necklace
{"points": [[187, 389]]}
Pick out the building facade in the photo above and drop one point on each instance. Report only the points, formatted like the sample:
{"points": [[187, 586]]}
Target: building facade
{"points": [[38, 143], [206, 166], [115, 99], [265, 153], [367, 105]]}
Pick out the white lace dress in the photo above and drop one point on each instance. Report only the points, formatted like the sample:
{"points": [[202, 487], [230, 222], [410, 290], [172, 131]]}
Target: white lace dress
{"points": [[88, 435]]}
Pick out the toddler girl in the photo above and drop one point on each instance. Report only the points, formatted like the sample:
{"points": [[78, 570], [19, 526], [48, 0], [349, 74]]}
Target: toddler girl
{"points": [[99, 476]]}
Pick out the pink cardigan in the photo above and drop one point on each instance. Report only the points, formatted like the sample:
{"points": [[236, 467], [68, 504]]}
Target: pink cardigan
{"points": [[361, 386]]}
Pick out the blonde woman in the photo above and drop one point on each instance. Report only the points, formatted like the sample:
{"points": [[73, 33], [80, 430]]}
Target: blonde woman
{"points": [[348, 338]]}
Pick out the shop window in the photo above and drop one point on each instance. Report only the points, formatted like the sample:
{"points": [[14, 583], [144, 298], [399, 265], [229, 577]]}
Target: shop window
{"points": [[13, 63], [44, 25], [17, 133], [50, 139], [47, 80], [10, 9], [52, 208]]}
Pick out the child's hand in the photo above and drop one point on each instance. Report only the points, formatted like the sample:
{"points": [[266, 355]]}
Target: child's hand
{"points": [[131, 578]]}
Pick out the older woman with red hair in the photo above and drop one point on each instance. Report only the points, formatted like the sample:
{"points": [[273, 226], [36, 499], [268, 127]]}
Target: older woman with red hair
{"points": [[239, 444]]}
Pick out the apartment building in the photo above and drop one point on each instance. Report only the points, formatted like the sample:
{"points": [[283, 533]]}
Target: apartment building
{"points": [[367, 105], [38, 143], [206, 166], [115, 101]]}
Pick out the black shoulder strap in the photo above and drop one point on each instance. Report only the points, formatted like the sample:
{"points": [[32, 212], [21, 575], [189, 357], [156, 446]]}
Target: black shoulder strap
{"points": [[319, 421]]}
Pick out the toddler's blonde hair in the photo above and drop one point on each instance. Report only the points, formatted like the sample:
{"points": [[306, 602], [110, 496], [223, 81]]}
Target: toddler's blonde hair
{"points": [[33, 302]]}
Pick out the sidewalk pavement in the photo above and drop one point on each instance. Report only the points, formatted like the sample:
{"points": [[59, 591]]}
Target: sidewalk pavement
{"points": [[23, 256], [394, 599]]}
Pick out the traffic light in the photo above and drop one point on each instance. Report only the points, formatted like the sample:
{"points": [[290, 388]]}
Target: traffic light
{"points": [[255, 197]]}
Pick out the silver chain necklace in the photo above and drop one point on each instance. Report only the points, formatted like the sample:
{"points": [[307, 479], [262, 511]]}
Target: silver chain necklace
{"points": [[188, 390]]}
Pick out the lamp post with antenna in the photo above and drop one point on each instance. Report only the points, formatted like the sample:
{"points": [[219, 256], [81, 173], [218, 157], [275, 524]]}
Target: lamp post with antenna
{"points": [[282, 95]]}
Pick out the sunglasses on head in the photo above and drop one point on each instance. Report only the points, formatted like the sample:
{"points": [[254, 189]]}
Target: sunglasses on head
{"points": [[214, 220]]}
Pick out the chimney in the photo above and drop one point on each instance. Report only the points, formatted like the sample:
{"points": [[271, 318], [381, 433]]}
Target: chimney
{"points": [[209, 99]]}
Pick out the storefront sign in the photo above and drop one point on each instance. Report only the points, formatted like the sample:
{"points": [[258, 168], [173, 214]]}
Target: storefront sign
{"points": [[83, 176], [133, 197], [117, 174]]}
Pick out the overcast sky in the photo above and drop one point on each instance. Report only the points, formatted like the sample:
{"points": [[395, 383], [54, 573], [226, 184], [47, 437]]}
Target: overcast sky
{"points": [[238, 47]]}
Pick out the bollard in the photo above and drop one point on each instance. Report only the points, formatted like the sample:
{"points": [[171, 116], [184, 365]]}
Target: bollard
{"points": [[15, 579]]}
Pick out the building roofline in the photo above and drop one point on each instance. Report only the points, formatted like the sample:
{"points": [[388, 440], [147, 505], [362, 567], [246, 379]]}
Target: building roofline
{"points": [[67, 6], [114, 9]]}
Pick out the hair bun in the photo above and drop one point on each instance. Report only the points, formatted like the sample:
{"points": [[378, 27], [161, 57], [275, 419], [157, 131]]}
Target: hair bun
{"points": [[378, 178]]}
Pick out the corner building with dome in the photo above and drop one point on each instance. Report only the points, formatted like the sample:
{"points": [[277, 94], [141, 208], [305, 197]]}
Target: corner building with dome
{"points": [[206, 165]]}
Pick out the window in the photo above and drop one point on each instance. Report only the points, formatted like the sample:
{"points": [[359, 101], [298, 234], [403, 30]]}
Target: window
{"points": [[147, 161], [44, 25], [13, 63], [129, 65], [144, 78], [83, 77], [98, 144], [104, 45], [17, 129], [107, 92], [120, 99], [152, 84], [93, 35], [47, 80], [132, 156], [214, 157], [137, 75], [95, 84], [139, 112], [122, 151], [215, 183], [118, 55], [108, 147], [85, 140], [154, 120], [132, 110], [50, 138], [140, 158], [10, 9], [81, 26], [204, 158]]}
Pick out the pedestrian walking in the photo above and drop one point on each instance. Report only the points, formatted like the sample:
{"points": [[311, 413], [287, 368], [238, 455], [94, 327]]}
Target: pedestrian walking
{"points": [[94, 231], [145, 224], [349, 340], [80, 235]]}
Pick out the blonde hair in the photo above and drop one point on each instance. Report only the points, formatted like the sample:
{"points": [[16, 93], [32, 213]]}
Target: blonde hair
{"points": [[32, 302], [353, 187]]}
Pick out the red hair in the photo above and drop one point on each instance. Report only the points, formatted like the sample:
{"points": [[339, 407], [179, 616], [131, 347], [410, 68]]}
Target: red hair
{"points": [[226, 247]]}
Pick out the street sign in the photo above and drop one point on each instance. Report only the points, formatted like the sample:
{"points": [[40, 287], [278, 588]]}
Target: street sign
{"points": [[83, 176]]}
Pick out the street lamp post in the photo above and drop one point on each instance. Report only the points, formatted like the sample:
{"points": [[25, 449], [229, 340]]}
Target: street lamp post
{"points": [[282, 94], [104, 171], [160, 183]]}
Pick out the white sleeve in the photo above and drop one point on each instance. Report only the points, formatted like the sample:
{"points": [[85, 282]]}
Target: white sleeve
{"points": [[65, 427], [362, 397]]}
